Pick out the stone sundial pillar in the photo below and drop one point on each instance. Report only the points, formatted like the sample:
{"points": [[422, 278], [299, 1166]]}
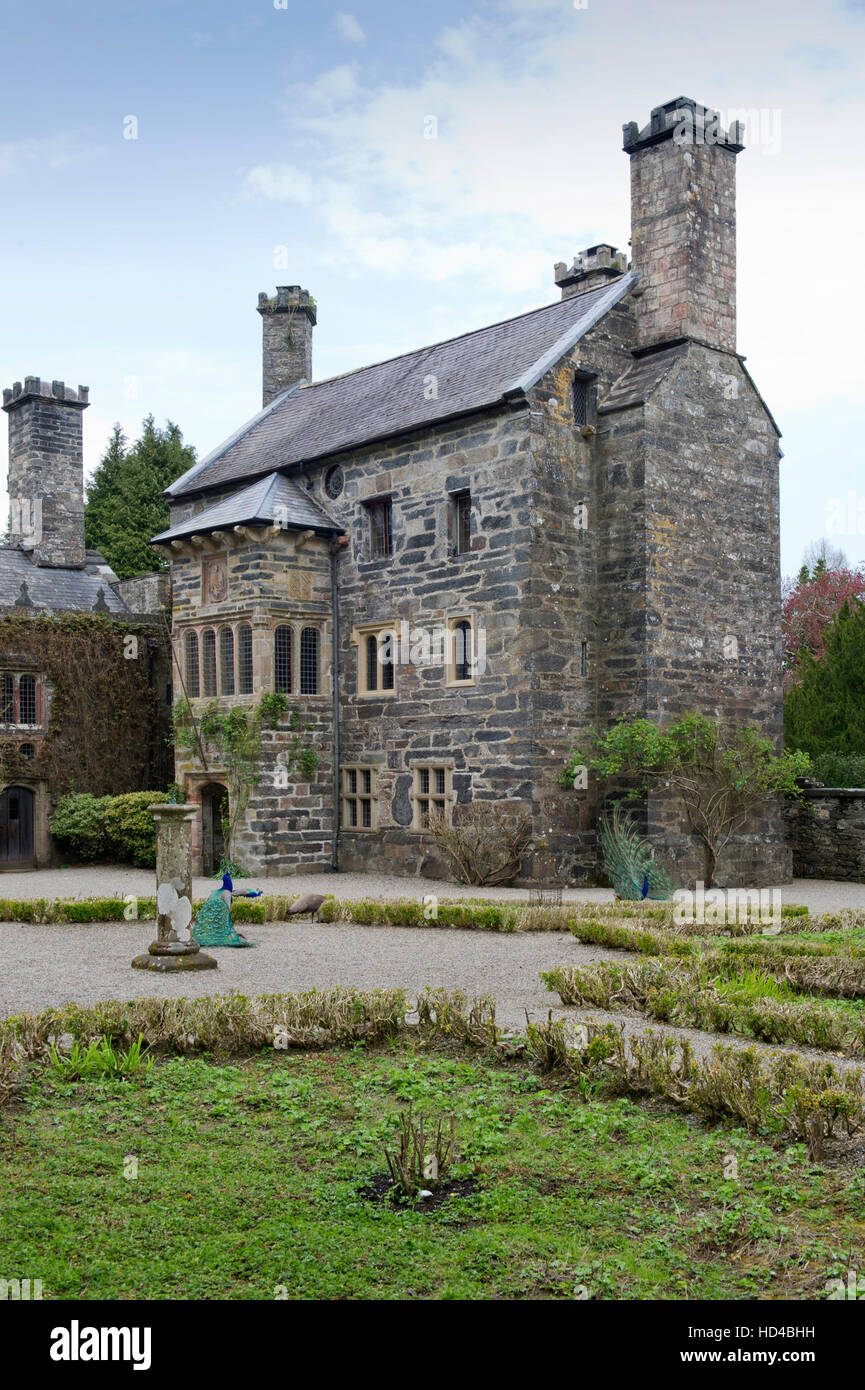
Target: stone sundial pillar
{"points": [[175, 948]]}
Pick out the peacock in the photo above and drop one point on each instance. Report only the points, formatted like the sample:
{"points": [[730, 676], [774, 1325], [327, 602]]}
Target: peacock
{"points": [[628, 860]]}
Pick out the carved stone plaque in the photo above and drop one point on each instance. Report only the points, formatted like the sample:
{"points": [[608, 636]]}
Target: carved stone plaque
{"points": [[214, 579]]}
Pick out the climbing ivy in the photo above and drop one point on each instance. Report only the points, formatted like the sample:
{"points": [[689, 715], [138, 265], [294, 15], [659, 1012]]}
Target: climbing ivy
{"points": [[108, 729]]}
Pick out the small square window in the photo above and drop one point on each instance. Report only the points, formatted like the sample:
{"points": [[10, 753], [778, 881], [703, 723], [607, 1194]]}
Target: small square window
{"points": [[380, 529], [584, 399], [358, 796], [431, 794]]}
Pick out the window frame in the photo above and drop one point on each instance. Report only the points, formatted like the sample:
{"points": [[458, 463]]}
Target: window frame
{"points": [[461, 510], [423, 800], [383, 506], [358, 796], [360, 638], [452, 681], [588, 395]]}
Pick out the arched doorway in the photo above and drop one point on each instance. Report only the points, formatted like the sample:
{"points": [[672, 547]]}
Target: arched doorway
{"points": [[214, 805], [16, 828]]}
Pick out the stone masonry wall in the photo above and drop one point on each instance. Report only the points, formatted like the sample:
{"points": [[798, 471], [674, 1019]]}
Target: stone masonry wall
{"points": [[710, 590], [569, 556], [484, 730], [826, 831], [683, 241], [289, 821]]}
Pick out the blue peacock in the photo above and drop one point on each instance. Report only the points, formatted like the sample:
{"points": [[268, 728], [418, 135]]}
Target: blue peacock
{"points": [[628, 861]]}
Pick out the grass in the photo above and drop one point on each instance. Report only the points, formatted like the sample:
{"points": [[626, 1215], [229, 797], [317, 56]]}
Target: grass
{"points": [[249, 1175]]}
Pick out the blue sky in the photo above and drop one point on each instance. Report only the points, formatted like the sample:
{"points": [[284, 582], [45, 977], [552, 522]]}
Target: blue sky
{"points": [[282, 143]]}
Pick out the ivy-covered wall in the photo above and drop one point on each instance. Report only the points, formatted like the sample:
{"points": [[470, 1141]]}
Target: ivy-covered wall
{"points": [[106, 720]]}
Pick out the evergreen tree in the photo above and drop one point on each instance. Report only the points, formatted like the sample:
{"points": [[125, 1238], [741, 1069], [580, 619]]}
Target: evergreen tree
{"points": [[125, 507], [825, 712]]}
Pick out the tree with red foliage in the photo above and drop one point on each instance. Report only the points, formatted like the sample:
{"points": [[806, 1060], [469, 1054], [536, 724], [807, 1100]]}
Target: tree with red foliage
{"points": [[809, 605]]}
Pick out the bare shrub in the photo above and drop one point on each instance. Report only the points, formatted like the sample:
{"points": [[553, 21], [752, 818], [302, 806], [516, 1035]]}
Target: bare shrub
{"points": [[423, 1157], [486, 842]]}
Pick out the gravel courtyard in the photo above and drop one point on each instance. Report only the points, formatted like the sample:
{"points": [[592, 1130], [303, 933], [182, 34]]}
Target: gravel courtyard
{"points": [[44, 966]]}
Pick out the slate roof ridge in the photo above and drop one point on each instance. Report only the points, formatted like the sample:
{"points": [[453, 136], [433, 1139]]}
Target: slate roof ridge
{"points": [[232, 439], [442, 342], [486, 368]]}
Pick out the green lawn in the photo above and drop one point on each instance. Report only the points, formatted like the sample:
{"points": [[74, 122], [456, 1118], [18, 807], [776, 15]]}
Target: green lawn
{"points": [[248, 1179]]}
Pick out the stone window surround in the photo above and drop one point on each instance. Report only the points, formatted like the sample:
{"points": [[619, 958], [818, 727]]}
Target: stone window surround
{"points": [[416, 796], [454, 499], [297, 626], [263, 675], [451, 620], [370, 505], [359, 633], [347, 796], [216, 627]]}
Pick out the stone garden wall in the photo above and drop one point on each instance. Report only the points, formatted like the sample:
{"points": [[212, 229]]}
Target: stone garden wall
{"points": [[826, 831]]}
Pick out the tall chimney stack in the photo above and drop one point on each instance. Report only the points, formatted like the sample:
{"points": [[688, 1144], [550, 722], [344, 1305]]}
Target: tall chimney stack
{"points": [[287, 324], [46, 470], [683, 223]]}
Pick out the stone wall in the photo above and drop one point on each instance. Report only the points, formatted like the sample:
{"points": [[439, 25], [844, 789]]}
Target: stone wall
{"points": [[484, 731], [826, 832]]}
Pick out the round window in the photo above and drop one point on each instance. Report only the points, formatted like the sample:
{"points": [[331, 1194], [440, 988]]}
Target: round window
{"points": [[333, 481]]}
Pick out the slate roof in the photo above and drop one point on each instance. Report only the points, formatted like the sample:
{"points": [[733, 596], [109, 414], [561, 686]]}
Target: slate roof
{"points": [[636, 384], [273, 498], [52, 590], [478, 369]]}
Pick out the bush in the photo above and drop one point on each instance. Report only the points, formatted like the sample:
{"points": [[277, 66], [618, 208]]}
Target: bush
{"points": [[78, 825], [486, 841], [108, 827], [840, 769], [131, 829]]}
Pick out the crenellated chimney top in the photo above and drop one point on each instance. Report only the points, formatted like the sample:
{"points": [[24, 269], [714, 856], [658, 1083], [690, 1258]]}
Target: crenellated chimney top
{"points": [[595, 266], [287, 324], [46, 470]]}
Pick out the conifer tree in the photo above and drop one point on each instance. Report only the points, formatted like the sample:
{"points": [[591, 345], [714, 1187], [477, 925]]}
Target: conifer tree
{"points": [[125, 507], [825, 712]]}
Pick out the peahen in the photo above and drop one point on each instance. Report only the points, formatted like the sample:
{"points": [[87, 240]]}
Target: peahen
{"points": [[628, 860]]}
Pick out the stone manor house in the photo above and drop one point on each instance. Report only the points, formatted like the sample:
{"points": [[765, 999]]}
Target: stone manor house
{"points": [[455, 561]]}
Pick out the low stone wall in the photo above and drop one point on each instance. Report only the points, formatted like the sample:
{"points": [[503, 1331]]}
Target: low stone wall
{"points": [[826, 831]]}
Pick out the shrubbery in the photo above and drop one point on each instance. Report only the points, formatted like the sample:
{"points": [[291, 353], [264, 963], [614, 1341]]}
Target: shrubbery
{"points": [[108, 827], [78, 825], [840, 769]]}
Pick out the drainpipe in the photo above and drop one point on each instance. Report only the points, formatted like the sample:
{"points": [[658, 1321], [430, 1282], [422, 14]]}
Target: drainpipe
{"points": [[335, 547]]}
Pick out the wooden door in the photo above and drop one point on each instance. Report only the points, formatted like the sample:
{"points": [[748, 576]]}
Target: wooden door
{"points": [[16, 828]]}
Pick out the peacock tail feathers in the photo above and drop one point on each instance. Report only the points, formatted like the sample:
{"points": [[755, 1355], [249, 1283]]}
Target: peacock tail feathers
{"points": [[628, 861]]}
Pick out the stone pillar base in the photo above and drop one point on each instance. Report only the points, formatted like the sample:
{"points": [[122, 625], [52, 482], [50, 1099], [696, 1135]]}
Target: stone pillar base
{"points": [[166, 956]]}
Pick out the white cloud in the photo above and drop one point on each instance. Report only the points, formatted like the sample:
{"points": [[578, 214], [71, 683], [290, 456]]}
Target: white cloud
{"points": [[278, 183], [51, 152], [348, 28]]}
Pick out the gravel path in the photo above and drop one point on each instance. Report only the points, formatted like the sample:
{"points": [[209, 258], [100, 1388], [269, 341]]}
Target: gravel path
{"points": [[43, 966]]}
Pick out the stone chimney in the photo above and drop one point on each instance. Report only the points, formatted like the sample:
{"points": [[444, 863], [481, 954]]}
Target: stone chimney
{"points": [[287, 324], [46, 470], [596, 266], [683, 224]]}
